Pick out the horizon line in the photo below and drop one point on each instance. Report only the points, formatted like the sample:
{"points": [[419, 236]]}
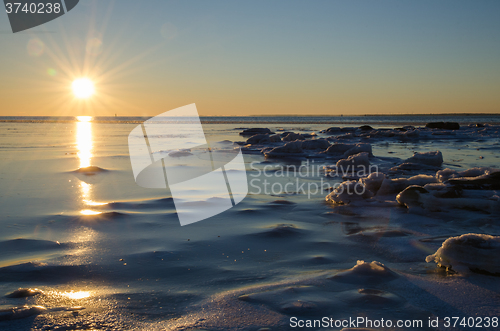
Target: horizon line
{"points": [[282, 115]]}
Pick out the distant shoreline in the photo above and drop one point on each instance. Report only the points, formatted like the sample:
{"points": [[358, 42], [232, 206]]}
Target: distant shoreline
{"points": [[272, 120]]}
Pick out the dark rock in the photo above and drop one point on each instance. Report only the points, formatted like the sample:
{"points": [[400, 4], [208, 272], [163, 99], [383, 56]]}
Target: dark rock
{"points": [[365, 128], [443, 125], [336, 130], [254, 131]]}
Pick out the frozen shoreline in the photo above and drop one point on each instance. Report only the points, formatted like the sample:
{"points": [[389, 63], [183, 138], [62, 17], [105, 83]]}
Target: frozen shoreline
{"points": [[269, 258]]}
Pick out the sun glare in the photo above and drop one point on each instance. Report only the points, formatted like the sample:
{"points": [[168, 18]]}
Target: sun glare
{"points": [[77, 295], [83, 88]]}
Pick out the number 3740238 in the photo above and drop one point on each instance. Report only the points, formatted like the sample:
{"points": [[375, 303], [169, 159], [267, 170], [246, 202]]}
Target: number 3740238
{"points": [[32, 8]]}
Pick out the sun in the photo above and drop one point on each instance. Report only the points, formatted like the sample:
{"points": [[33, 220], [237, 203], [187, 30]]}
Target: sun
{"points": [[83, 88]]}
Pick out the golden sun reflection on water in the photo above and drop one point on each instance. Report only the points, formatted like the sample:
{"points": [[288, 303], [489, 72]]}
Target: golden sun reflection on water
{"points": [[76, 295], [84, 140], [90, 212], [84, 145]]}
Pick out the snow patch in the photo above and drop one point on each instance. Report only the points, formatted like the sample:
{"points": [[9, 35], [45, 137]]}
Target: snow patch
{"points": [[469, 252]]}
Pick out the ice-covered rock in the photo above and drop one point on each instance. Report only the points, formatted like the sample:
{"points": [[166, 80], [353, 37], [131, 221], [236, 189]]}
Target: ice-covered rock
{"points": [[489, 181], [356, 160], [442, 197], [293, 136], [373, 181], [469, 252], [413, 167], [441, 190], [428, 158], [445, 174], [290, 149], [359, 148], [409, 134], [349, 149], [321, 144], [410, 196], [338, 148], [275, 138], [347, 192], [337, 130], [396, 185], [258, 139]]}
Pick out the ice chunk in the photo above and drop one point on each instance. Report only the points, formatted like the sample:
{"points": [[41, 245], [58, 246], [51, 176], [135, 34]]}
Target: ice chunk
{"points": [[275, 138], [442, 190], [391, 186], [293, 136], [291, 149], [410, 196], [446, 174], [338, 148], [356, 160], [359, 148], [316, 144], [373, 181], [258, 139], [484, 182], [413, 167], [347, 192], [428, 158], [469, 252]]}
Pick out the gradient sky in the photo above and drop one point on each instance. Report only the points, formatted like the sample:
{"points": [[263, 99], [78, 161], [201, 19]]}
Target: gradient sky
{"points": [[257, 57]]}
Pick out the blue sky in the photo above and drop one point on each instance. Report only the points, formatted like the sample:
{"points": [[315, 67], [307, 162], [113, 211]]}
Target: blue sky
{"points": [[258, 57]]}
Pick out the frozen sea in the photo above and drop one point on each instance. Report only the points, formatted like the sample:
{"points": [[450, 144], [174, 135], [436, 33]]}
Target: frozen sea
{"points": [[94, 251]]}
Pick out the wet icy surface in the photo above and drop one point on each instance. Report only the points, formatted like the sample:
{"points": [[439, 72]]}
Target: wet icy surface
{"points": [[101, 253]]}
